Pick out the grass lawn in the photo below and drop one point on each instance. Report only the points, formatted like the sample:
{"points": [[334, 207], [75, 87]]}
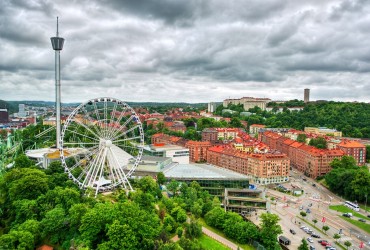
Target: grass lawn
{"points": [[344, 209], [211, 244], [219, 232], [359, 224]]}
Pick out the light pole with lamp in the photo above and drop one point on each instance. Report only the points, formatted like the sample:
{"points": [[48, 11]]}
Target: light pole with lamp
{"points": [[366, 203]]}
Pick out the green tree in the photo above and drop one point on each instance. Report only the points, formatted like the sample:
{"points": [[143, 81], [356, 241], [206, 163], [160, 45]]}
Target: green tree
{"points": [[120, 237], [193, 229], [302, 138], [314, 221], [179, 231], [336, 237], [196, 209], [54, 225], [169, 224], [269, 231], [318, 142], [325, 228], [216, 218], [304, 245], [236, 123], [173, 187], [28, 183], [161, 179], [303, 214], [22, 161], [347, 244]]}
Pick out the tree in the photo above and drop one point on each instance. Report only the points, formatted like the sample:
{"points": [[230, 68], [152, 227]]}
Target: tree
{"points": [[22, 161], [120, 237], [28, 183], [302, 138], [270, 229], [161, 179], [216, 217], [304, 245], [235, 123], [173, 187], [196, 209], [314, 221], [53, 225], [325, 228], [336, 237], [193, 229], [318, 142], [179, 231], [169, 224], [303, 214], [347, 244]]}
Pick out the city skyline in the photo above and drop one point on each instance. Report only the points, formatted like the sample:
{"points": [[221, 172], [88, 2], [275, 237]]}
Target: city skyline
{"points": [[191, 51]]}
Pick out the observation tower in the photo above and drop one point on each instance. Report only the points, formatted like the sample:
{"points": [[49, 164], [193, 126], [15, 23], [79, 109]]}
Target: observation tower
{"points": [[57, 43]]}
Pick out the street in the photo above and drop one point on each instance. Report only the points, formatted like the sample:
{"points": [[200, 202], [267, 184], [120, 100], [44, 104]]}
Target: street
{"points": [[317, 199]]}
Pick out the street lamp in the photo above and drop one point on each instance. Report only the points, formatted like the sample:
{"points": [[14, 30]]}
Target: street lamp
{"points": [[365, 203]]}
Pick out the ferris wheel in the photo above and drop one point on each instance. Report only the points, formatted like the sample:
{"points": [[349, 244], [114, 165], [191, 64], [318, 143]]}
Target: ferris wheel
{"points": [[102, 144]]}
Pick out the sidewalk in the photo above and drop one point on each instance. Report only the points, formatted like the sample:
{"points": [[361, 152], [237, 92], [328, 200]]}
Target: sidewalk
{"points": [[219, 238]]}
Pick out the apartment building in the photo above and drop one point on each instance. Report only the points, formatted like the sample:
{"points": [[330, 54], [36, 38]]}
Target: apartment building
{"points": [[355, 149], [262, 168]]}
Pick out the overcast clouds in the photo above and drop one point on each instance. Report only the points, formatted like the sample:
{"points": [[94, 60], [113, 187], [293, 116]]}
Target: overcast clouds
{"points": [[186, 51]]}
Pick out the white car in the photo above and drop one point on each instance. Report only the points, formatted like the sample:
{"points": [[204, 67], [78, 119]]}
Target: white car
{"points": [[310, 240]]}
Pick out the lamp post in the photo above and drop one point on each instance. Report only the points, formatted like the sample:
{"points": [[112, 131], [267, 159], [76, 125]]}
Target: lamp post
{"points": [[365, 203]]}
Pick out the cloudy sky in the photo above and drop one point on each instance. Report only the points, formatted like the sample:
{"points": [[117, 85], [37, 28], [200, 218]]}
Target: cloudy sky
{"points": [[186, 50]]}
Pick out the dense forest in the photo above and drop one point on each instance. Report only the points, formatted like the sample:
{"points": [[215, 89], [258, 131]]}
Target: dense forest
{"points": [[353, 119], [348, 180], [42, 206]]}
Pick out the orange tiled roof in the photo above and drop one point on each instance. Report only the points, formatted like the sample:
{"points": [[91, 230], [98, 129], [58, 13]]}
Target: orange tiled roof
{"points": [[350, 144], [258, 125], [296, 144]]}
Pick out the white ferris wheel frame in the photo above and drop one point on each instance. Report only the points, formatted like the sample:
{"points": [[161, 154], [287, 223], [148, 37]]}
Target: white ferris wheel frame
{"points": [[103, 150]]}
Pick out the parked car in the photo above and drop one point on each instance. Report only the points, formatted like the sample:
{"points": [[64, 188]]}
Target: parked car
{"points": [[368, 215], [330, 248], [315, 235], [362, 220], [310, 240], [325, 243], [292, 231], [312, 247]]}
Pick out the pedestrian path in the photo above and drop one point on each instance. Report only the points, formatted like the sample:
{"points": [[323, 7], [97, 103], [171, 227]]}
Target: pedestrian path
{"points": [[219, 238]]}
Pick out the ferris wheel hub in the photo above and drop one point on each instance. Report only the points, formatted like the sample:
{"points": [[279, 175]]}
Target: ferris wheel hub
{"points": [[108, 143]]}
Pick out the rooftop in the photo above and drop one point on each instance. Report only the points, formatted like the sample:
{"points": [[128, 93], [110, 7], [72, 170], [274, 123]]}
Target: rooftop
{"points": [[201, 171]]}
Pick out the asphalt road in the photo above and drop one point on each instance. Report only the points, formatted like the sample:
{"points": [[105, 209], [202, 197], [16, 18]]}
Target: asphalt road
{"points": [[317, 199]]}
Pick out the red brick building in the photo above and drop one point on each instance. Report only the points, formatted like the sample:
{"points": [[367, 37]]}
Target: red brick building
{"points": [[263, 168], [355, 149], [198, 150], [209, 134], [312, 161]]}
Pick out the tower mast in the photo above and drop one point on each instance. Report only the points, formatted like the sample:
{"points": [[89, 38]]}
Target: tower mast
{"points": [[57, 43]]}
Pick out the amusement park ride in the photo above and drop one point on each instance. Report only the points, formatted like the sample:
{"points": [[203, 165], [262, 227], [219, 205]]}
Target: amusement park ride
{"points": [[101, 143], [9, 149]]}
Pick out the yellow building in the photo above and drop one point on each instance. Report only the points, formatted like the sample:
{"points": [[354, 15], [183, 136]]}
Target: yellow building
{"points": [[323, 131]]}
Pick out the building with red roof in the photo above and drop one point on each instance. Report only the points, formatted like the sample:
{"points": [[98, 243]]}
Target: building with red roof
{"points": [[355, 149], [312, 161], [262, 168], [198, 150]]}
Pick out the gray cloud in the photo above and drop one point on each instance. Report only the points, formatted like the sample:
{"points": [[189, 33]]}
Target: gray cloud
{"points": [[193, 51]]}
